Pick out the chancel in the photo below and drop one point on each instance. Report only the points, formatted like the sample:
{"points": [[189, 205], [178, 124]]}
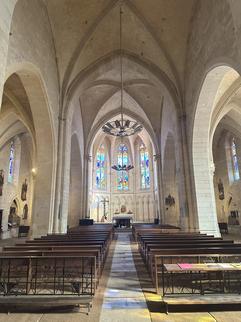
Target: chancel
{"points": [[120, 156], [122, 218]]}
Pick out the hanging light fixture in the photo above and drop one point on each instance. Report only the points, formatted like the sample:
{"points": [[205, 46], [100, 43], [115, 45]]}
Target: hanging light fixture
{"points": [[121, 127], [122, 168]]}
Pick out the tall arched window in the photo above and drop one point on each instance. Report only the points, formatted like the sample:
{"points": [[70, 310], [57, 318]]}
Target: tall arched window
{"points": [[11, 163], [234, 157], [122, 176], [101, 168], [144, 167]]}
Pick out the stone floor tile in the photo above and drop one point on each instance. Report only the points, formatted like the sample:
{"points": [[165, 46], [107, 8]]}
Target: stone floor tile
{"points": [[183, 317], [234, 316], [20, 317], [123, 298]]}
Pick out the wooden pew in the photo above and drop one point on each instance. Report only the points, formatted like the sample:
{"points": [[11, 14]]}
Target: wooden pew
{"points": [[69, 277], [80, 255]]}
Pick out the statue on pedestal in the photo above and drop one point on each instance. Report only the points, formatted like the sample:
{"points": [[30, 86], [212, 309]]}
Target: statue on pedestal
{"points": [[25, 212], [220, 190], [24, 190]]}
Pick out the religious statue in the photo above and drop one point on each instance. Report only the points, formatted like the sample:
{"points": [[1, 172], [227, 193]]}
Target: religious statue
{"points": [[233, 218], [123, 209], [103, 218], [25, 212], [169, 201], [1, 182], [220, 189], [24, 190]]}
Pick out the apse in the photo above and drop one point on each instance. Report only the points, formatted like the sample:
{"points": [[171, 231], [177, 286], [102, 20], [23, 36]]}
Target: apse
{"points": [[122, 176]]}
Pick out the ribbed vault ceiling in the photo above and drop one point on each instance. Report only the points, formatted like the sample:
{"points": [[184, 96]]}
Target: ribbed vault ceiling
{"points": [[155, 30]]}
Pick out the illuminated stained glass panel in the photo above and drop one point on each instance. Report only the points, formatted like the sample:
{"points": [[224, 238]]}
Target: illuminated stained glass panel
{"points": [[100, 168], [122, 176], [235, 161], [11, 163], [144, 167]]}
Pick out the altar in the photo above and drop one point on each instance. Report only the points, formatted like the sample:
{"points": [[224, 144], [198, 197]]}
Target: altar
{"points": [[122, 220]]}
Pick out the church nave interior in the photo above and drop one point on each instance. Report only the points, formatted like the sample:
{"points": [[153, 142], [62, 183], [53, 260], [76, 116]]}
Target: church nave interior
{"points": [[120, 145]]}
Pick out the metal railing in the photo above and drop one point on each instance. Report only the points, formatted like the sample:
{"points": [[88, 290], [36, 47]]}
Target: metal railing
{"points": [[69, 275]]}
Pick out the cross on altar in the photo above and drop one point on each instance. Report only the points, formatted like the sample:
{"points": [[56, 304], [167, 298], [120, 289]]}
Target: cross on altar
{"points": [[105, 201]]}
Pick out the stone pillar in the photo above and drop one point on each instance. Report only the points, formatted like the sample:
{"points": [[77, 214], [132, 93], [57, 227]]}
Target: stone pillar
{"points": [[187, 220], [159, 185], [206, 205], [63, 176], [86, 172], [137, 209]]}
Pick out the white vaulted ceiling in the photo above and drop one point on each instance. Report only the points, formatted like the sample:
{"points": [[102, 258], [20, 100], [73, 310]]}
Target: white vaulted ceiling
{"points": [[154, 30]]}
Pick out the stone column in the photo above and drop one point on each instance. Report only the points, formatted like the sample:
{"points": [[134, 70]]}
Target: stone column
{"points": [[187, 220], [159, 184], [63, 176], [86, 172], [207, 216]]}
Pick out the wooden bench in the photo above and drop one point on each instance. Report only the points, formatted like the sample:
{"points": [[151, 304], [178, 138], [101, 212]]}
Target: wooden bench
{"points": [[198, 302], [223, 227], [23, 231], [45, 301], [65, 265], [56, 274]]}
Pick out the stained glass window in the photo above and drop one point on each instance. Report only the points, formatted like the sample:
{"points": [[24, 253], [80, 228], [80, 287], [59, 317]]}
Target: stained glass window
{"points": [[236, 175], [144, 167], [101, 168], [11, 163], [122, 176]]}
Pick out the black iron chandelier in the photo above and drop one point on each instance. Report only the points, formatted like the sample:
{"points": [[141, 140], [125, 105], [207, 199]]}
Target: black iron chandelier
{"points": [[124, 167], [121, 127]]}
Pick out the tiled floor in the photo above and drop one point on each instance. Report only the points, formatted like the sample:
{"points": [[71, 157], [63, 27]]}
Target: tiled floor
{"points": [[123, 298], [125, 293]]}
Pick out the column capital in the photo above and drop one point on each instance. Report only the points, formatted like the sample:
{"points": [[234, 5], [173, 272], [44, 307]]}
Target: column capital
{"points": [[89, 157]]}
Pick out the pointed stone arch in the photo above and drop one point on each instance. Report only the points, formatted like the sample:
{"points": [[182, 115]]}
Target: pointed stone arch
{"points": [[45, 150], [203, 165]]}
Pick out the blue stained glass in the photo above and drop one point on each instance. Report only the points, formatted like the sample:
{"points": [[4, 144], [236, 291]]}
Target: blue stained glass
{"points": [[100, 168], [122, 176], [144, 167], [11, 163], [235, 161]]}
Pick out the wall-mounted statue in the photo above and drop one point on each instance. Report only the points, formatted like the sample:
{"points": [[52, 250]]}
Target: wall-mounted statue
{"points": [[233, 218], [24, 190], [220, 190], [25, 212], [123, 209], [1, 182], [169, 201]]}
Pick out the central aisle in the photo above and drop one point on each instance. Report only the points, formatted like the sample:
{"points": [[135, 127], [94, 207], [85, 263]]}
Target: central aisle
{"points": [[123, 298]]}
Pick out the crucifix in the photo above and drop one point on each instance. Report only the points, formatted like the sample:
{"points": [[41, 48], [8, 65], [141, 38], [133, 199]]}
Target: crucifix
{"points": [[105, 201]]}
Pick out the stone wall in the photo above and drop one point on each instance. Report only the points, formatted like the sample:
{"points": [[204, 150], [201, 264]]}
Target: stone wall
{"points": [[21, 172], [232, 197]]}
